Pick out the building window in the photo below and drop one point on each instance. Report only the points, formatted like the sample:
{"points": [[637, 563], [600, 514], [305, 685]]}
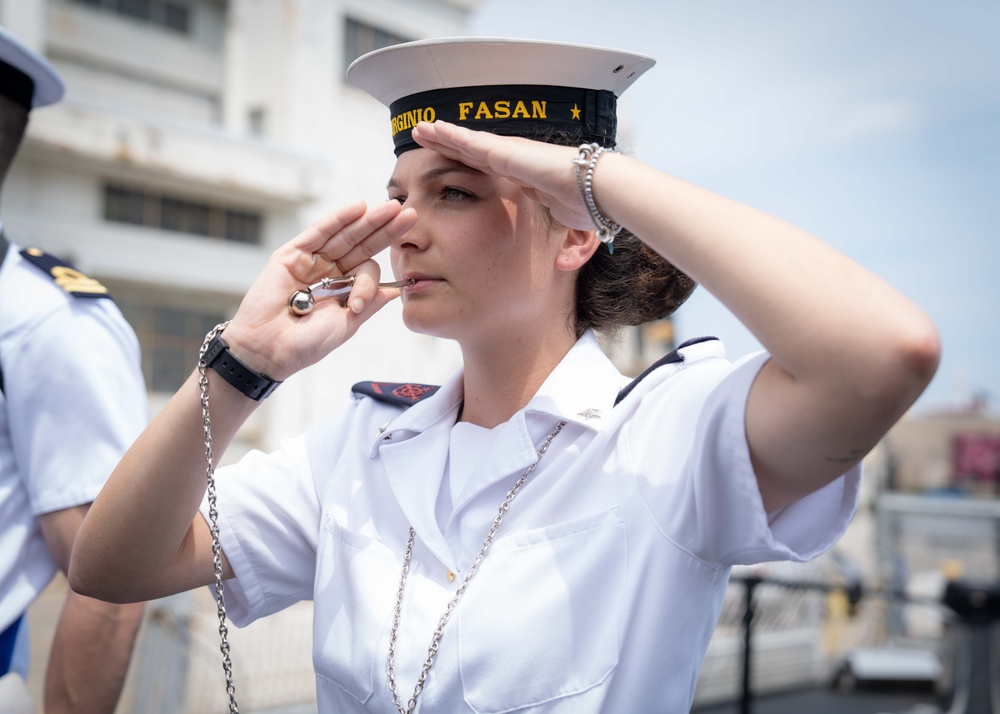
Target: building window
{"points": [[243, 226], [171, 325], [174, 16], [185, 216], [181, 215], [361, 38], [122, 205], [170, 337]]}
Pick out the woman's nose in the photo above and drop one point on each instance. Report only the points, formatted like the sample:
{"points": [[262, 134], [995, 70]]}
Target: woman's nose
{"points": [[414, 239]]}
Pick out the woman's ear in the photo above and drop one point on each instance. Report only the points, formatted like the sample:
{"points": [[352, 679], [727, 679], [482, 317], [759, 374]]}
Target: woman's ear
{"points": [[576, 249]]}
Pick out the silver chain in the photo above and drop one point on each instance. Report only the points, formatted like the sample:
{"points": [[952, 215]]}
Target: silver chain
{"points": [[473, 569], [213, 517]]}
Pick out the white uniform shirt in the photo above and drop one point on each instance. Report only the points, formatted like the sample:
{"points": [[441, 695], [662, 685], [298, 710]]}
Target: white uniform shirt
{"points": [[73, 401], [603, 586]]}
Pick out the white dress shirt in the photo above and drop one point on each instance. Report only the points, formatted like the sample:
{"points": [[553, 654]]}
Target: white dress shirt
{"points": [[73, 401], [603, 586]]}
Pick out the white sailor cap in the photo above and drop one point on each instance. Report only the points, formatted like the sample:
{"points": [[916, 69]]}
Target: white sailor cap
{"points": [[25, 76], [505, 86]]}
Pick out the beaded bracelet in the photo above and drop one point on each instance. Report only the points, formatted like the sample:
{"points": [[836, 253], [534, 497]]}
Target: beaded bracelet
{"points": [[606, 228]]}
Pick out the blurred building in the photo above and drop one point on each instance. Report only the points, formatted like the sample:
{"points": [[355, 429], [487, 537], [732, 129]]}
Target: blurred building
{"points": [[954, 452], [196, 137]]}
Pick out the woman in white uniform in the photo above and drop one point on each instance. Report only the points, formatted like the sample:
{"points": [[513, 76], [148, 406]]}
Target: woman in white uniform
{"points": [[537, 535]]}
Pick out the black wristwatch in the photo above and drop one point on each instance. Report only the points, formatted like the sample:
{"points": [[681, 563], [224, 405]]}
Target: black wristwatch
{"points": [[253, 384]]}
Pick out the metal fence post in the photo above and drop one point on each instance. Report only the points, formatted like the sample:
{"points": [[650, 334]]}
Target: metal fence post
{"points": [[749, 585], [977, 670]]}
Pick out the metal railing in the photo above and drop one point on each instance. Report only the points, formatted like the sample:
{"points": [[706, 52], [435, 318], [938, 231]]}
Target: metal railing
{"points": [[975, 608]]}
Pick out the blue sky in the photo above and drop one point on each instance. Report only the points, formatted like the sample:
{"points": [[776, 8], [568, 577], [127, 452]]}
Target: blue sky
{"points": [[874, 124]]}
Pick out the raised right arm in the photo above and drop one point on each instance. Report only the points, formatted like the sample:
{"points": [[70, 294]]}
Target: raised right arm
{"points": [[143, 537]]}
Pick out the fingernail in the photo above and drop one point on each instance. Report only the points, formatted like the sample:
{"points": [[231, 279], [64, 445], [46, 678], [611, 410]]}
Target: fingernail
{"points": [[357, 304]]}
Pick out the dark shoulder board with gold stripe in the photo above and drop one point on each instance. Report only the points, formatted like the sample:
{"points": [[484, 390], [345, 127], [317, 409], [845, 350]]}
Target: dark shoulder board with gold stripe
{"points": [[65, 275], [401, 394]]}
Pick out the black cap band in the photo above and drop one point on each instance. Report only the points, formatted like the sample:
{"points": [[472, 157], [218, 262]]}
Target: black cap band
{"points": [[587, 115], [16, 85]]}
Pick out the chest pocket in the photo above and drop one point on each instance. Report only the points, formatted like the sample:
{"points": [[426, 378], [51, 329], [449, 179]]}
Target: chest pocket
{"points": [[542, 619], [353, 609]]}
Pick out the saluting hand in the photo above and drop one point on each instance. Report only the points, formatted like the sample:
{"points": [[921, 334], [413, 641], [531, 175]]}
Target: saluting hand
{"points": [[545, 171], [271, 340]]}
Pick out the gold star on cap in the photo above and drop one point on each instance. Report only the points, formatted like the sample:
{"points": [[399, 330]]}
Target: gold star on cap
{"points": [[576, 112]]}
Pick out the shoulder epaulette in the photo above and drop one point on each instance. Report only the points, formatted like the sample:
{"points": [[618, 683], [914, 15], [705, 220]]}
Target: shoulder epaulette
{"points": [[65, 275], [672, 357], [403, 394]]}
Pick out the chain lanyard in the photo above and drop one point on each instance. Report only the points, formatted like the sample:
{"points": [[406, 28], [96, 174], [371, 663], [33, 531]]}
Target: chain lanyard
{"points": [[213, 518], [473, 569]]}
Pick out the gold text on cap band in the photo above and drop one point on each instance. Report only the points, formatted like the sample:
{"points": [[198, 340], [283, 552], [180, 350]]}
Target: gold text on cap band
{"points": [[534, 111]]}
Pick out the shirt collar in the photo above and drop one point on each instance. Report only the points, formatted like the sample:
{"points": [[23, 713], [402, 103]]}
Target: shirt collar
{"points": [[581, 389], [424, 414]]}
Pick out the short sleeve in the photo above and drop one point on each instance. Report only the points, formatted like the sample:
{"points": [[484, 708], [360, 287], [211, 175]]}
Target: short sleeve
{"points": [[718, 512], [73, 379], [269, 519]]}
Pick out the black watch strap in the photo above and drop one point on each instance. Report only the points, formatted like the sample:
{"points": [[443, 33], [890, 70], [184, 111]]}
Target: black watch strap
{"points": [[253, 384]]}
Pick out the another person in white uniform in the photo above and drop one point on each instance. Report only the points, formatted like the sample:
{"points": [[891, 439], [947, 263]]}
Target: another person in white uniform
{"points": [[537, 535], [72, 400]]}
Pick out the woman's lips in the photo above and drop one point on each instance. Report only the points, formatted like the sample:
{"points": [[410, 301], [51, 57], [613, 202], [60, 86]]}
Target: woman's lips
{"points": [[420, 282]]}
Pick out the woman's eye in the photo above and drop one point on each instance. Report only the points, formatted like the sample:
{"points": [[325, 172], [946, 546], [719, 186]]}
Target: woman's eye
{"points": [[450, 193], [399, 199]]}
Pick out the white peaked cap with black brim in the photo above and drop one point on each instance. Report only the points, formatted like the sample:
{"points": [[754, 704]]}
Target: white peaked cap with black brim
{"points": [[505, 86], [25, 76]]}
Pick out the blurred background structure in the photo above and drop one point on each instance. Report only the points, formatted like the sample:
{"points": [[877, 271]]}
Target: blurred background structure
{"points": [[199, 135]]}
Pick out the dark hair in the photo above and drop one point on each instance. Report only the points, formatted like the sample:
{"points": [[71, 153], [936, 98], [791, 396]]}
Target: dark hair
{"points": [[632, 286], [13, 122]]}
